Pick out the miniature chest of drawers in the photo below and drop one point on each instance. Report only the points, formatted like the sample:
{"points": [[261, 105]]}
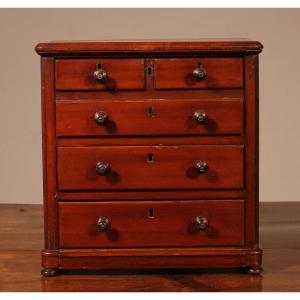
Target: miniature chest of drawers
{"points": [[150, 154]]}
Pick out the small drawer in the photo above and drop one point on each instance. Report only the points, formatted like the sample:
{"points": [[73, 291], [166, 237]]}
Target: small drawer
{"points": [[150, 167], [99, 74], [198, 223], [149, 117], [198, 73]]}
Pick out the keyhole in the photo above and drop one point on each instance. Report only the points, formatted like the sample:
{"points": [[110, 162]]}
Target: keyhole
{"points": [[151, 112], [150, 157], [99, 66], [150, 213], [149, 70]]}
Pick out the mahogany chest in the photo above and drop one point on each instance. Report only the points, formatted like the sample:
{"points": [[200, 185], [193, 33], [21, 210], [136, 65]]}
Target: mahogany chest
{"points": [[150, 154]]}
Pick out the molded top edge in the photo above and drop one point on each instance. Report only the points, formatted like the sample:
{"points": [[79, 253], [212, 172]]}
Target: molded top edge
{"points": [[149, 46]]}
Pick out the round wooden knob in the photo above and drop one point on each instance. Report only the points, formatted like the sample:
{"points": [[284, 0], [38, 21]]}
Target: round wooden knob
{"points": [[102, 168], [200, 116], [100, 74], [199, 73], [103, 224], [201, 223], [201, 166], [100, 117]]}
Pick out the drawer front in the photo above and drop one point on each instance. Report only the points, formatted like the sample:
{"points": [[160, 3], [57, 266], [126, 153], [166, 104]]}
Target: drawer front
{"points": [[181, 73], [160, 117], [150, 167], [151, 224], [79, 74]]}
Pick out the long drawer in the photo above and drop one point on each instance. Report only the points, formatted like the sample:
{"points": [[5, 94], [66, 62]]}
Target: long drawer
{"points": [[151, 167], [149, 117], [151, 223]]}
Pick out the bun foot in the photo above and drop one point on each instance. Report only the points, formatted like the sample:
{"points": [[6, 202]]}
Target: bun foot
{"points": [[254, 270], [49, 272]]}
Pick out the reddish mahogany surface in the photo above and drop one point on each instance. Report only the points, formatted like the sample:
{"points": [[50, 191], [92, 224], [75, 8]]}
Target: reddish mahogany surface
{"points": [[178, 73], [170, 224], [219, 46], [172, 167], [166, 117], [150, 97], [78, 74]]}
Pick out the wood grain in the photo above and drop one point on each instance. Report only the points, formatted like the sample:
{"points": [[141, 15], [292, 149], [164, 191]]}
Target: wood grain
{"points": [[78, 74], [49, 153], [151, 148], [172, 167], [251, 149], [178, 73], [168, 117], [158, 195], [232, 46], [151, 94], [170, 224], [151, 141]]}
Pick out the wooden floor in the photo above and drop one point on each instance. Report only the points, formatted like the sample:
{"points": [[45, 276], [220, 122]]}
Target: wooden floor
{"points": [[21, 238]]}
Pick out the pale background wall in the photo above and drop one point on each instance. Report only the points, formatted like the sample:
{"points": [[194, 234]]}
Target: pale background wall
{"points": [[22, 29]]}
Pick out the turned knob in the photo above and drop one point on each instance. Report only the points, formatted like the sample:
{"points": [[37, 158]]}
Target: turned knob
{"points": [[201, 166], [200, 116], [102, 168], [100, 74], [103, 224], [201, 223], [199, 73], [100, 117]]}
